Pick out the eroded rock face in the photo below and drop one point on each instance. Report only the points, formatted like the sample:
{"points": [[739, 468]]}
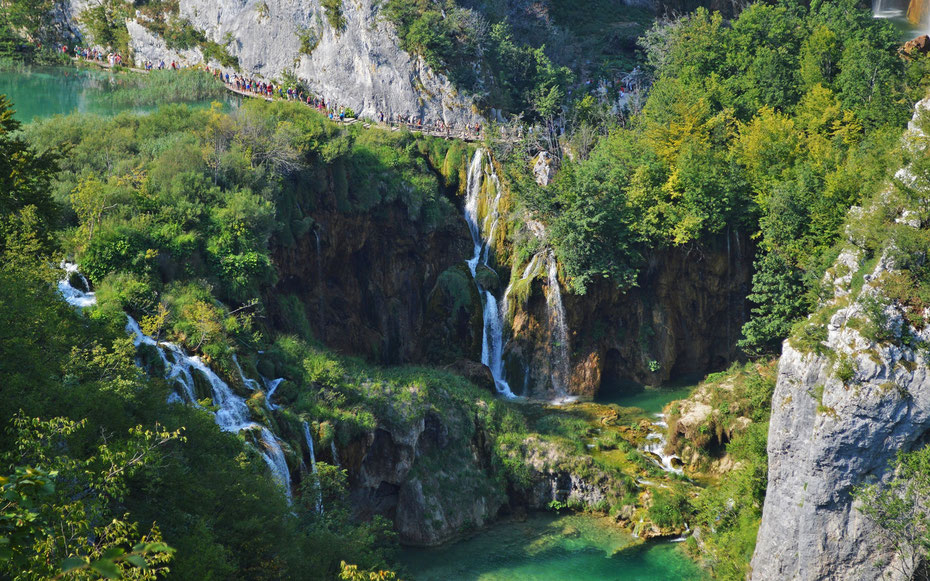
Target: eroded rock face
{"points": [[428, 479], [684, 317], [827, 437], [366, 286]]}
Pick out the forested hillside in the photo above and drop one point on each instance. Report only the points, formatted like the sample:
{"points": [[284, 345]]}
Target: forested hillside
{"points": [[260, 338]]}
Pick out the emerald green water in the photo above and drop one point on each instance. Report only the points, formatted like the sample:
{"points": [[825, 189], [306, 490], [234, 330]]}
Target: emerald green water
{"points": [[649, 399], [46, 91], [551, 548]]}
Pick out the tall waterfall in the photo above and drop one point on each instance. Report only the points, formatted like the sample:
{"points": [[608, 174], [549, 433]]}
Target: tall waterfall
{"points": [[558, 331], [233, 413], [313, 469], [887, 9], [557, 327], [492, 343]]}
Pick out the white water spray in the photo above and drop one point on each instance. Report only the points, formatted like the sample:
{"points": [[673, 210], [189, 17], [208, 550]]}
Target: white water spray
{"points": [[558, 332], [655, 447], [251, 384], [492, 343], [886, 9], [233, 413], [271, 385], [75, 297], [313, 469]]}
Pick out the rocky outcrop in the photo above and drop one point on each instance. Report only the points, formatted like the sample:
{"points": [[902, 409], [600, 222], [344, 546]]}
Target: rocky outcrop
{"points": [[557, 473], [827, 436], [429, 478], [853, 391], [359, 65]]}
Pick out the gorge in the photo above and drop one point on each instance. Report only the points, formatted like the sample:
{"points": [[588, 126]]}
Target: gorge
{"points": [[664, 318]]}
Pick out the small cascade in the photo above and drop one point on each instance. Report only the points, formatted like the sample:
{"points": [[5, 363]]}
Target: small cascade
{"points": [[655, 447], [530, 271], [270, 386], [233, 413], [73, 296], [274, 458], [492, 343], [313, 469], [332, 448], [251, 384], [558, 332]]}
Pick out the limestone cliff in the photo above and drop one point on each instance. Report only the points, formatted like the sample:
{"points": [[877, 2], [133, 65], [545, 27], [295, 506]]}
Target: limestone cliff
{"points": [[853, 390], [360, 65]]}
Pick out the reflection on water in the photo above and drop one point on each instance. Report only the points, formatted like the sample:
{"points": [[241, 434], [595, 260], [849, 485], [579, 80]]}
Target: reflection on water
{"points": [[47, 91], [650, 399], [550, 548]]}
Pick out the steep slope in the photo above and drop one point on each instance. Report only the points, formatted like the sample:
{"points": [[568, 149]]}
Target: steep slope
{"points": [[853, 390]]}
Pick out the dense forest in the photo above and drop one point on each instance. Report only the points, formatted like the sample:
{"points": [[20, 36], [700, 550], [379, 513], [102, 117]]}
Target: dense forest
{"points": [[772, 121]]}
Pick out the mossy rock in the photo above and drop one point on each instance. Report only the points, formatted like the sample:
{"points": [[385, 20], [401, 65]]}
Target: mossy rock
{"points": [[150, 360], [202, 387], [286, 394], [77, 281], [487, 278], [265, 367]]}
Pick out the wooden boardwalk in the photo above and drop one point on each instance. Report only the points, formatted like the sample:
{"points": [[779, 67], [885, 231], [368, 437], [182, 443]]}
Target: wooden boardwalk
{"points": [[461, 135]]}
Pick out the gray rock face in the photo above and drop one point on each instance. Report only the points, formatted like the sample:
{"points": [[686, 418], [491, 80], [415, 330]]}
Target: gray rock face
{"points": [[430, 479], [828, 436], [360, 66]]}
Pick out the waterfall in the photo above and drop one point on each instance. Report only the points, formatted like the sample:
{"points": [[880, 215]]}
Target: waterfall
{"points": [[886, 9], [249, 383], [75, 297], [529, 272], [319, 492], [558, 331], [233, 413], [655, 447], [270, 386], [492, 342], [332, 448], [274, 458]]}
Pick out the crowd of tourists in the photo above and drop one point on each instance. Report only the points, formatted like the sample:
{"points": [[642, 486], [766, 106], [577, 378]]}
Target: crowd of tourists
{"points": [[268, 90], [247, 86]]}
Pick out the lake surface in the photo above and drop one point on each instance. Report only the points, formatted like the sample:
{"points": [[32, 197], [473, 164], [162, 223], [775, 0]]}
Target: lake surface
{"points": [[46, 91], [546, 547], [650, 399]]}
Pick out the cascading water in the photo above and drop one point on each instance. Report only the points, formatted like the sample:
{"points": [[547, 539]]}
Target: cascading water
{"points": [[251, 384], [270, 386], [332, 448], [73, 296], [558, 331], [655, 447], [313, 469], [233, 413], [886, 9], [492, 343], [560, 364]]}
